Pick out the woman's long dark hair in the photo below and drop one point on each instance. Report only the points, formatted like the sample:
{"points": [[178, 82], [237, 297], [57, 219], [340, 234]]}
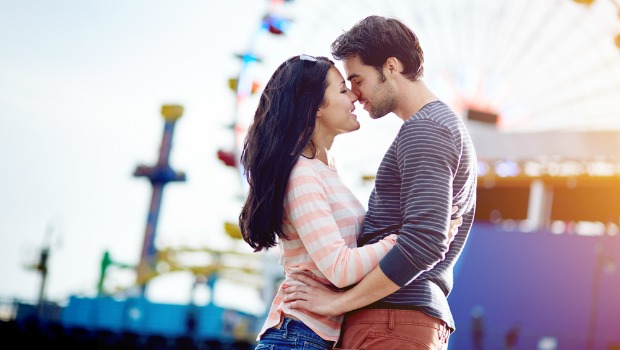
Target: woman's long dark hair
{"points": [[283, 124]]}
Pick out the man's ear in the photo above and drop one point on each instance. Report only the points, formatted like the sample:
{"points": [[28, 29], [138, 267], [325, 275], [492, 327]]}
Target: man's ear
{"points": [[393, 65]]}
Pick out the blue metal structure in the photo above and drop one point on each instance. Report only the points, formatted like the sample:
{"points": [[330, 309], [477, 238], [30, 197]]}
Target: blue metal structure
{"points": [[145, 318]]}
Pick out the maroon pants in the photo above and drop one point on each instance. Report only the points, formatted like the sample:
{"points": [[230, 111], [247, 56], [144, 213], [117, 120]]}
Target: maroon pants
{"points": [[387, 329]]}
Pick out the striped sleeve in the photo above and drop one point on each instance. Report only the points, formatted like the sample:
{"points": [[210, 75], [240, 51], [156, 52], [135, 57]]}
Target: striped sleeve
{"points": [[427, 160], [308, 210]]}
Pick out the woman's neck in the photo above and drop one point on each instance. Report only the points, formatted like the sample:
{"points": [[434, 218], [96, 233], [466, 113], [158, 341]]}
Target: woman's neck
{"points": [[320, 147], [320, 151]]}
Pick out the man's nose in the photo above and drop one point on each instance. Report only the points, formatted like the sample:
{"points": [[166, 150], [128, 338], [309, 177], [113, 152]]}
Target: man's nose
{"points": [[353, 96]]}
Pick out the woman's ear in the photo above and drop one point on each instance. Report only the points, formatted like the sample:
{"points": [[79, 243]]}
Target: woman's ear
{"points": [[319, 113]]}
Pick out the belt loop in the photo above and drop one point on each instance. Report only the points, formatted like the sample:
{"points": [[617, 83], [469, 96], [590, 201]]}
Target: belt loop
{"points": [[284, 327], [390, 321]]}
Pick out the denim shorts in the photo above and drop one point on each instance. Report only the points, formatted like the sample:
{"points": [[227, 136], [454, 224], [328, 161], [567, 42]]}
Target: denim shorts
{"points": [[292, 335]]}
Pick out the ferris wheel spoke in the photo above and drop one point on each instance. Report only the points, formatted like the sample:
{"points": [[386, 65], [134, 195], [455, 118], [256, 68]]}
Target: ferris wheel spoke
{"points": [[528, 83], [507, 54], [590, 77], [577, 98]]}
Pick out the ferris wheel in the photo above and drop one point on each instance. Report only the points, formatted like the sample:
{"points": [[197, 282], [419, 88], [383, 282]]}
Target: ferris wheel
{"points": [[537, 66]]}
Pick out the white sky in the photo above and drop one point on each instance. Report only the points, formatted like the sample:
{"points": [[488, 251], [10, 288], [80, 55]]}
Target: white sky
{"points": [[82, 84], [81, 87]]}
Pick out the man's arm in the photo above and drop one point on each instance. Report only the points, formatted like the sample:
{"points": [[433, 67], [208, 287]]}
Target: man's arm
{"points": [[427, 160], [317, 298]]}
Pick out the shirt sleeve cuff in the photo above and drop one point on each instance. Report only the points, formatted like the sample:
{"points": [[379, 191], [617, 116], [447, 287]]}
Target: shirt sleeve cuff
{"points": [[397, 267]]}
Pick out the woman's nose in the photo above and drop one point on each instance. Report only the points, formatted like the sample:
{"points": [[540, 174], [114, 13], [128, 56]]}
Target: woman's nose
{"points": [[354, 96]]}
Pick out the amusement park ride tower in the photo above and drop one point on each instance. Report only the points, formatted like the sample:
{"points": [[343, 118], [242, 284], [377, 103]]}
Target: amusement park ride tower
{"points": [[197, 321], [159, 175]]}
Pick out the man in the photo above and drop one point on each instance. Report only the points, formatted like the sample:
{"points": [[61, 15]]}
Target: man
{"points": [[430, 166]]}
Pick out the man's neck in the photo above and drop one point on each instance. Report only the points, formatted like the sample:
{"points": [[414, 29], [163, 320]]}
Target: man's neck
{"points": [[413, 96]]}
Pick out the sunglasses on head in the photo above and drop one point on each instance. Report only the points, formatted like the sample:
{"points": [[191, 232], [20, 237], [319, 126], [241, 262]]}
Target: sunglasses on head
{"points": [[300, 72], [304, 57]]}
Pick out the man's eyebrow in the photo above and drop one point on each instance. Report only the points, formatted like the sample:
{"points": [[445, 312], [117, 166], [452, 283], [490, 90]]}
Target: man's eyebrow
{"points": [[352, 76]]}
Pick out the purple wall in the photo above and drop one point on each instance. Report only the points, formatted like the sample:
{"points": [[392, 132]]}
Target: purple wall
{"points": [[543, 284]]}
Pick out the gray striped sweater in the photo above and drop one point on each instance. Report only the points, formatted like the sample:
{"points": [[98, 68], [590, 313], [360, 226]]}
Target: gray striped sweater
{"points": [[430, 166]]}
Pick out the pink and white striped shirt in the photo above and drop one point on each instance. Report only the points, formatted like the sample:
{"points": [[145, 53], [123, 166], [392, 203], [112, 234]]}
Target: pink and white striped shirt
{"points": [[322, 219]]}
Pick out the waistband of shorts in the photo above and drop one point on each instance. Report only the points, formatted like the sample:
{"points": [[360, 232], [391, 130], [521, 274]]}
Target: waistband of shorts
{"points": [[291, 324], [288, 322], [393, 315]]}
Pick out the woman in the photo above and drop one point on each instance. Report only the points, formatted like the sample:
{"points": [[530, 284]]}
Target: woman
{"points": [[296, 199]]}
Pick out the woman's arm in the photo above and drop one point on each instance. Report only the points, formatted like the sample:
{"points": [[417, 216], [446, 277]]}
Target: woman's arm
{"points": [[308, 210]]}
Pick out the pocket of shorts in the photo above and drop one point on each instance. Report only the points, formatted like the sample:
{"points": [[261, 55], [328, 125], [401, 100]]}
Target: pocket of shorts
{"points": [[310, 345], [264, 347]]}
